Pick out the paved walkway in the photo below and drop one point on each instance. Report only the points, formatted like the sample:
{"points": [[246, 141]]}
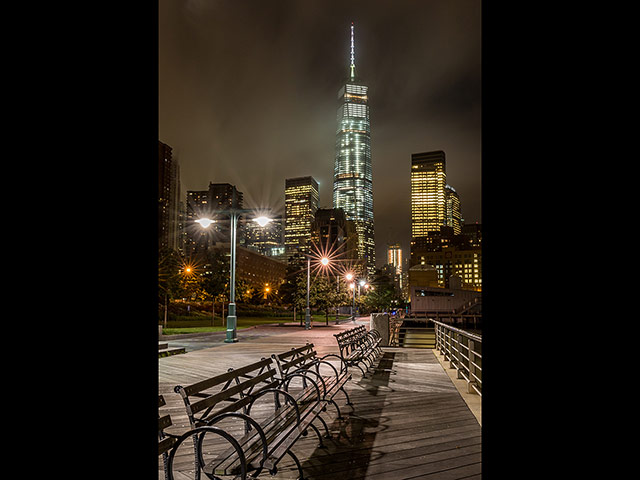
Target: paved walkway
{"points": [[405, 425]]}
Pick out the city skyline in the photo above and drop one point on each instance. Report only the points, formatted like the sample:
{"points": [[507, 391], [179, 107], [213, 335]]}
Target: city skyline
{"points": [[247, 94]]}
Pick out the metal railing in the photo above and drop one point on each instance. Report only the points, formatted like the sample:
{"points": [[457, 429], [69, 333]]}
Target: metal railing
{"points": [[394, 331], [463, 351]]}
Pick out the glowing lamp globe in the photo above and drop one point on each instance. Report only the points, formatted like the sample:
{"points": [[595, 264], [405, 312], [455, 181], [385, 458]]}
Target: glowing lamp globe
{"points": [[205, 222], [262, 221]]}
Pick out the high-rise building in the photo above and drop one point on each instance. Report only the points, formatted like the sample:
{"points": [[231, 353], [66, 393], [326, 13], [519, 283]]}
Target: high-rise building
{"points": [[267, 240], [222, 196], [428, 181], [301, 198], [352, 176], [334, 235], [453, 210], [196, 238], [205, 203], [394, 258], [168, 199]]}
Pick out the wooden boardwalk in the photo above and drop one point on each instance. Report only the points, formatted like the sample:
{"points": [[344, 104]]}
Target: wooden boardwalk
{"points": [[411, 424]]}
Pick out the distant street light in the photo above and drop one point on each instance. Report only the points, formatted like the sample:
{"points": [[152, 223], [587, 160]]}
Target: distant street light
{"points": [[361, 283], [307, 316]]}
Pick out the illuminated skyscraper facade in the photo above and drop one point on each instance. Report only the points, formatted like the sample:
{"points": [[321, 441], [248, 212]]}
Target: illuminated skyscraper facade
{"points": [[394, 257], [453, 211], [428, 182], [300, 205], [352, 177]]}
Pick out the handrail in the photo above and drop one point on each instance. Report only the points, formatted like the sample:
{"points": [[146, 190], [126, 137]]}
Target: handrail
{"points": [[463, 351]]}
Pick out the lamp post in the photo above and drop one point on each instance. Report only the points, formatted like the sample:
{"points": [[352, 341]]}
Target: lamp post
{"points": [[349, 276], [361, 283], [307, 316], [234, 214]]}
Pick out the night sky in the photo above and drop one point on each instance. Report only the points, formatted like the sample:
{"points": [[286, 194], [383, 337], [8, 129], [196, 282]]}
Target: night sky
{"points": [[248, 96]]}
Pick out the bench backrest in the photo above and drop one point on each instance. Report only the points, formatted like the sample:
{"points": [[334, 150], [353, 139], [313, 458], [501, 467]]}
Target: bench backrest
{"points": [[293, 359], [228, 392], [164, 443], [350, 340]]}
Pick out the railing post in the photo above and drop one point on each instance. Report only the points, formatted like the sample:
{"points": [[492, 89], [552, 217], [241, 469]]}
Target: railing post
{"points": [[460, 362], [452, 340], [472, 368]]}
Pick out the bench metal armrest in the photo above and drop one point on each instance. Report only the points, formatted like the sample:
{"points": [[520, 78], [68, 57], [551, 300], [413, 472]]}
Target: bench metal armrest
{"points": [[307, 368], [288, 378], [203, 430], [343, 365], [278, 391], [249, 420]]}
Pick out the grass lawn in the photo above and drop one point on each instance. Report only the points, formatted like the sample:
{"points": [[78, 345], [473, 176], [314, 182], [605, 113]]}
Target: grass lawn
{"points": [[243, 322]]}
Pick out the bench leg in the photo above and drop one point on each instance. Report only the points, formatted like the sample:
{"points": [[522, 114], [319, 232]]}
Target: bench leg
{"points": [[363, 372], [315, 429], [295, 459], [346, 395], [196, 463], [337, 408], [326, 428]]}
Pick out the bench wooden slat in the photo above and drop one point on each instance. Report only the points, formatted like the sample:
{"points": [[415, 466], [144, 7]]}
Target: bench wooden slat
{"points": [[229, 392], [301, 359], [286, 439], [294, 351], [164, 422], [212, 382], [236, 406], [165, 444]]}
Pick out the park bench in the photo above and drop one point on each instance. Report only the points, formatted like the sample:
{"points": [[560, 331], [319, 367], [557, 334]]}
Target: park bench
{"points": [[168, 443], [165, 441], [305, 359], [260, 438], [359, 347]]}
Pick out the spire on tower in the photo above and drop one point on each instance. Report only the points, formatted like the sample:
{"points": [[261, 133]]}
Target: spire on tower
{"points": [[353, 56]]}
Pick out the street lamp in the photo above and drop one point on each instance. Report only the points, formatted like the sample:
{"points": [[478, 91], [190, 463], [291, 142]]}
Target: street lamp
{"points": [[307, 316], [234, 214], [349, 276], [361, 283]]}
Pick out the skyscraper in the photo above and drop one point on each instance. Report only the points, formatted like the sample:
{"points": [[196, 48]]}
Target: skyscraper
{"points": [[300, 205], [453, 210], [428, 181], [352, 175], [206, 203], [394, 257], [168, 199], [394, 260]]}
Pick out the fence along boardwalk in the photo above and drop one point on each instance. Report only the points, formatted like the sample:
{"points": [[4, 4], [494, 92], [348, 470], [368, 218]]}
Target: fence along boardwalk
{"points": [[412, 424]]}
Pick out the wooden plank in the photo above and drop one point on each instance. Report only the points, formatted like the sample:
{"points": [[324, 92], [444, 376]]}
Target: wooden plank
{"points": [[413, 424]]}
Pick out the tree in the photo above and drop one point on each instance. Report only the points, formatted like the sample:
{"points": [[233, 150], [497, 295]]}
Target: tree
{"points": [[216, 278], [169, 262], [287, 291], [322, 294], [380, 297]]}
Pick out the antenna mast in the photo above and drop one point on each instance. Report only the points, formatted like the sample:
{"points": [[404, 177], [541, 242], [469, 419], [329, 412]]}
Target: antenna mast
{"points": [[353, 55]]}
